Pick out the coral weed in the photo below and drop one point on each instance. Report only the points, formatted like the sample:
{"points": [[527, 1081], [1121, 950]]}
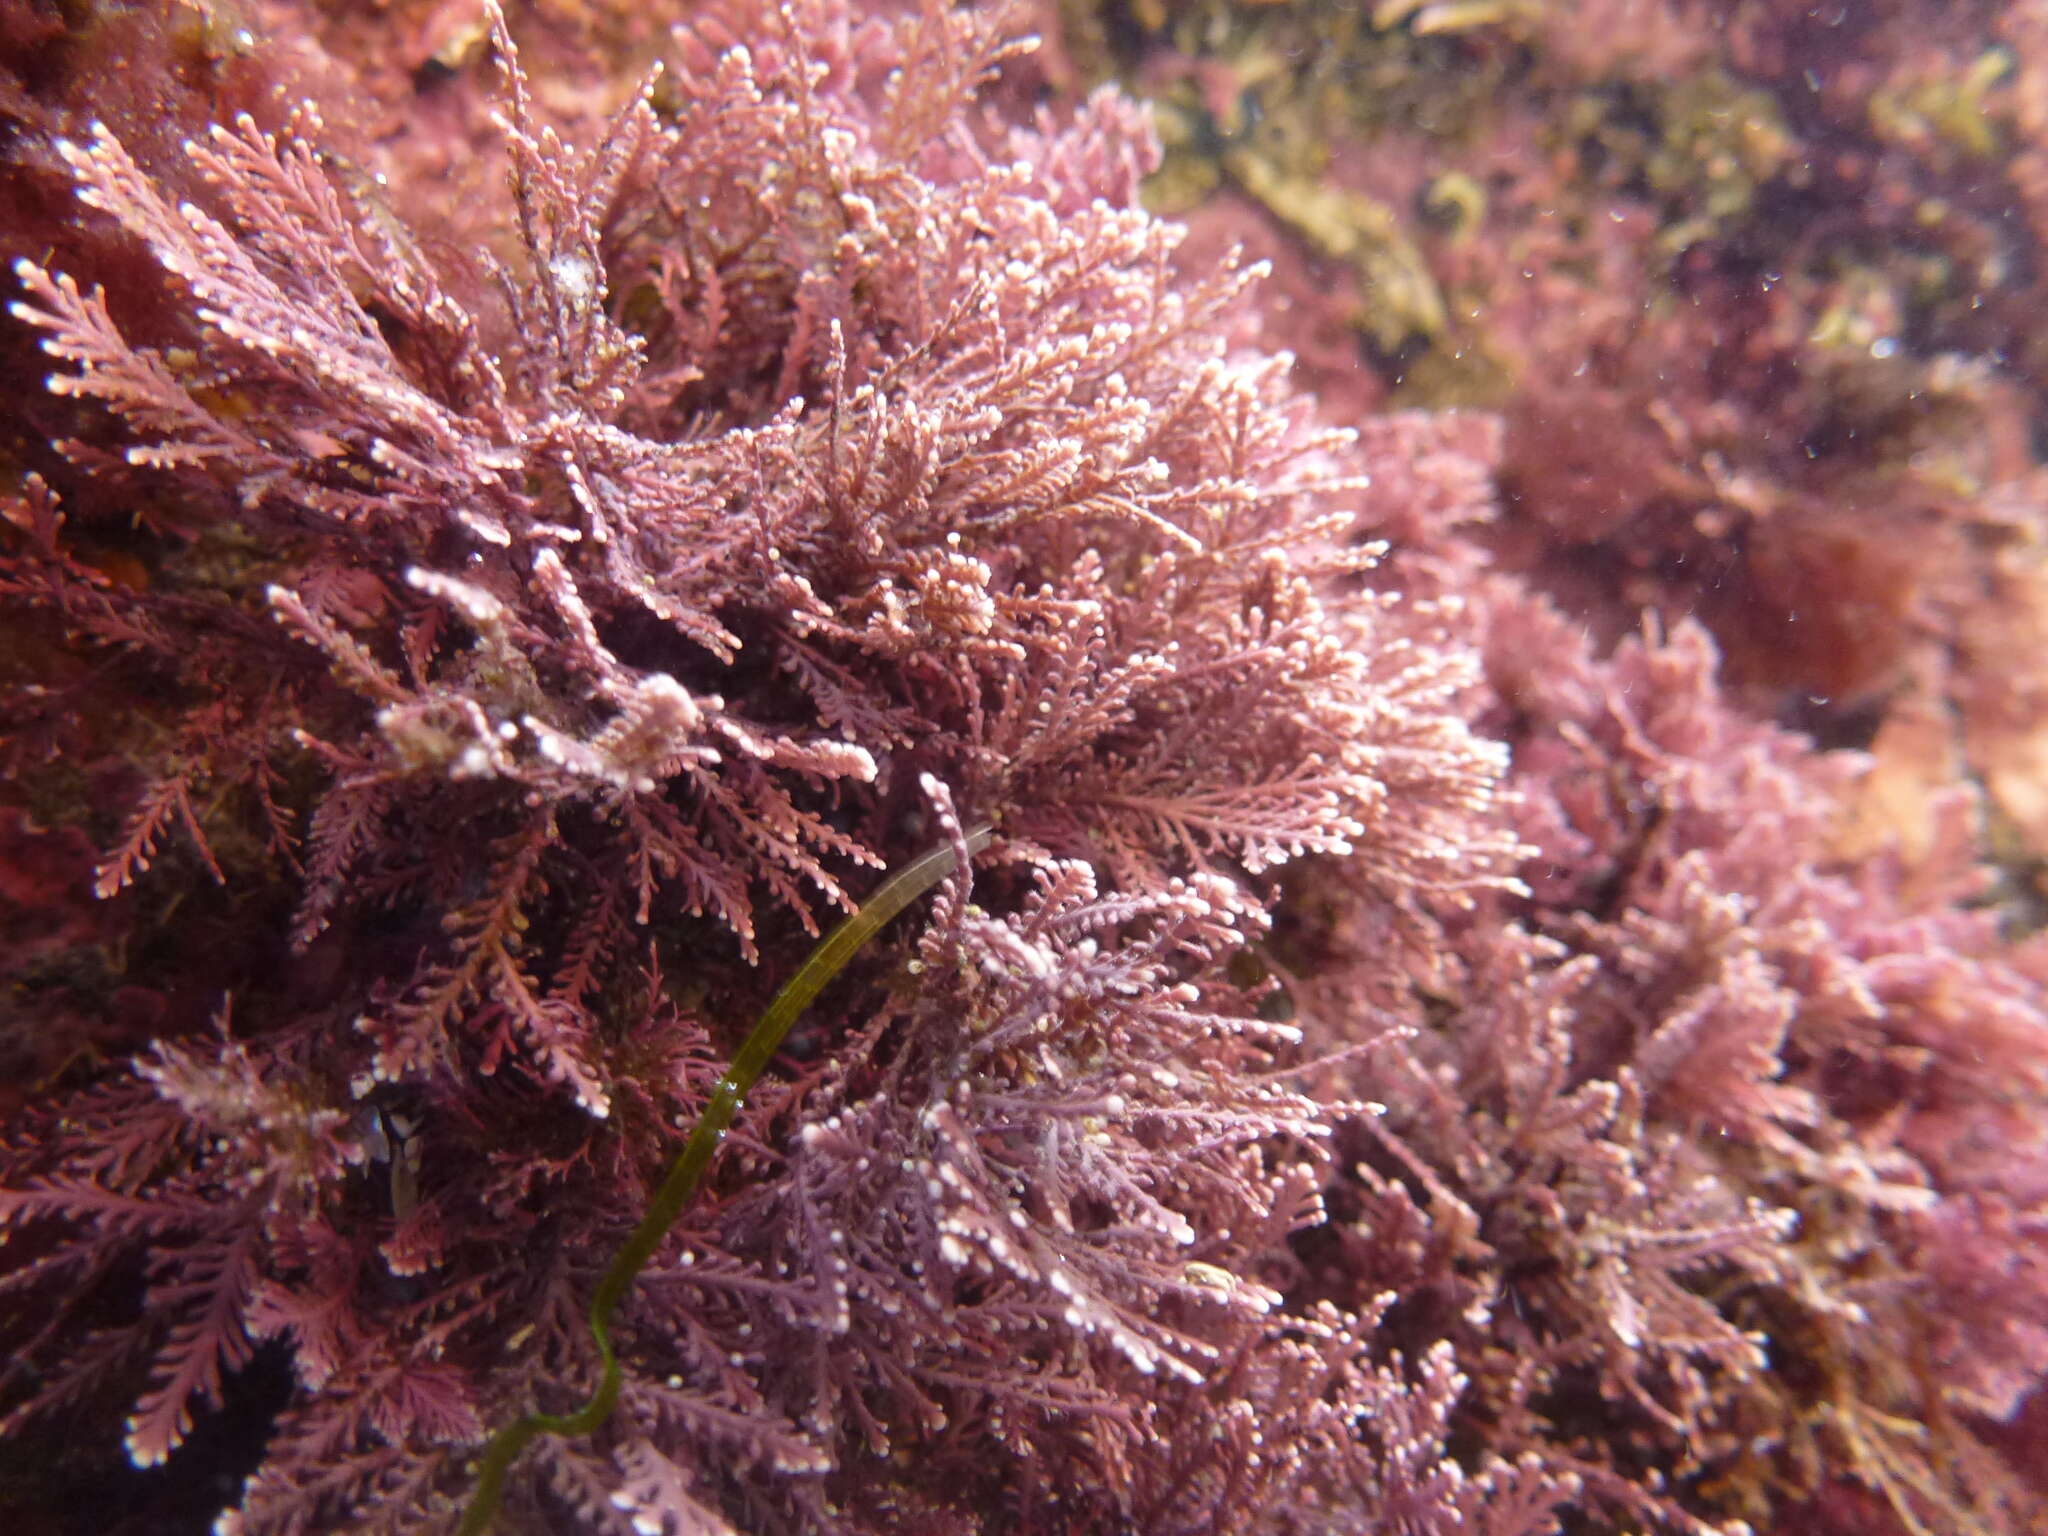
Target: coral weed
{"points": [[562, 643]]}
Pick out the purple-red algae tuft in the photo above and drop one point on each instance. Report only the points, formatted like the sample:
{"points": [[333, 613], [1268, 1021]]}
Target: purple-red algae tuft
{"points": [[508, 527]]}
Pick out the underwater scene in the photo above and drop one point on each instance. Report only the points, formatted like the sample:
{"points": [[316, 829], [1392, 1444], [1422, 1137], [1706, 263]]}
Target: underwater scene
{"points": [[1075, 768]]}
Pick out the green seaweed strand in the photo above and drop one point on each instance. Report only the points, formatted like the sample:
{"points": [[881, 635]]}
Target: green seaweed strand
{"points": [[825, 961]]}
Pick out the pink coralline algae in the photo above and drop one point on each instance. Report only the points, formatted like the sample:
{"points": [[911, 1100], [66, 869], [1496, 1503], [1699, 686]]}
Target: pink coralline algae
{"points": [[1399, 1064]]}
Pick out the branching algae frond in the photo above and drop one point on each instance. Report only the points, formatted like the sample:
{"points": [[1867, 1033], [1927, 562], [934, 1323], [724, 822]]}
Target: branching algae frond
{"points": [[687, 1172]]}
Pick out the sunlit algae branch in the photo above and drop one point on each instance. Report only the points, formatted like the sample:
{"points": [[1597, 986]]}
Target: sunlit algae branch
{"points": [[760, 1046]]}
